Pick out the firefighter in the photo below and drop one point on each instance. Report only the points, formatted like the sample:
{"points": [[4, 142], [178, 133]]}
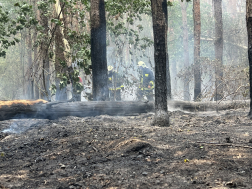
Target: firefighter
{"points": [[115, 84], [146, 85]]}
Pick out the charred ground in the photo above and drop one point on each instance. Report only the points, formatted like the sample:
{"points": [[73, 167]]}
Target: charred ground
{"points": [[127, 152]]}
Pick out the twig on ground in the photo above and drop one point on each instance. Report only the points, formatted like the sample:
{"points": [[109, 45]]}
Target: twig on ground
{"points": [[224, 144]]}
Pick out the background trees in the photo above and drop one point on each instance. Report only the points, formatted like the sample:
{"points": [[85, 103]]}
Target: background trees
{"points": [[129, 39]]}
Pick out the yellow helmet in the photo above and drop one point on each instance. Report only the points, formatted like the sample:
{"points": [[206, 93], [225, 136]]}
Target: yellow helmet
{"points": [[141, 63], [110, 68]]}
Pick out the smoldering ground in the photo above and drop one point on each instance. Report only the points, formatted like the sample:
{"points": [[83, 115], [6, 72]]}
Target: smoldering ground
{"points": [[126, 152]]}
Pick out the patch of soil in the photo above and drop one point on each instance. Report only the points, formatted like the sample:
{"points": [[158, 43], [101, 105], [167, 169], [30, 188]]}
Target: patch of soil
{"points": [[198, 150]]}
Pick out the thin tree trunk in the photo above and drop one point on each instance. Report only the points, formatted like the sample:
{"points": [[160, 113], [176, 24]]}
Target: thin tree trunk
{"points": [[174, 76], [30, 67], [185, 47], [168, 78], [197, 32], [64, 31], [45, 57], [98, 50], [61, 94], [160, 22], [36, 69], [249, 30], [36, 61], [218, 47], [22, 44]]}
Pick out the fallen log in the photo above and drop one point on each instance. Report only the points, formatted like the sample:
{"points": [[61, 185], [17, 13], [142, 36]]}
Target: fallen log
{"points": [[19, 108], [94, 108], [208, 106], [51, 110]]}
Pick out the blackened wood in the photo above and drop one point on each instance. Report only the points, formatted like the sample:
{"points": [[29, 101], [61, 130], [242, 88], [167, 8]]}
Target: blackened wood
{"points": [[54, 110], [208, 106], [98, 50], [160, 25], [249, 30]]}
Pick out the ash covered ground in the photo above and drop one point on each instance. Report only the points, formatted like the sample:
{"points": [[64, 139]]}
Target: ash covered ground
{"points": [[198, 150]]}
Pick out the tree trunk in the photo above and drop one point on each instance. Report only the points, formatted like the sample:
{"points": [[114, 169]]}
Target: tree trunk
{"points": [[30, 67], [197, 32], [249, 30], [35, 57], [22, 54], [160, 22], [64, 30], [61, 94], [36, 69], [45, 57], [98, 50], [19, 109], [218, 47], [42, 109], [185, 47], [168, 78], [174, 76]]}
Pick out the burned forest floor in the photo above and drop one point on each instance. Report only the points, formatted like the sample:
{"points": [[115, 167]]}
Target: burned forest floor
{"points": [[199, 150]]}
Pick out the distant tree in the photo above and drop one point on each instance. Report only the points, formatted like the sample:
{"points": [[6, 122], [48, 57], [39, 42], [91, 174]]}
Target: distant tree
{"points": [[160, 21], [197, 32], [185, 48], [168, 79], [59, 54], [218, 47], [249, 29], [98, 50]]}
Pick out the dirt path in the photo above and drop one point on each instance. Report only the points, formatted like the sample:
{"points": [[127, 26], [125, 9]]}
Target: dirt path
{"points": [[126, 152]]}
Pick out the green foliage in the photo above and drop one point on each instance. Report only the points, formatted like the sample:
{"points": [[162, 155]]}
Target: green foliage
{"points": [[9, 27], [53, 89], [64, 79], [77, 86]]}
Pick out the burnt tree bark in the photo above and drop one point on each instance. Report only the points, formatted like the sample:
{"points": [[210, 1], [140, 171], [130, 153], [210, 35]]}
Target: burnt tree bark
{"points": [[53, 110], [19, 109], [249, 30], [61, 94], [160, 22], [218, 47], [98, 50], [197, 32], [185, 48]]}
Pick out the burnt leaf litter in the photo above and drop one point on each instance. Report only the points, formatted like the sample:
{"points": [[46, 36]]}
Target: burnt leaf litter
{"points": [[198, 150]]}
